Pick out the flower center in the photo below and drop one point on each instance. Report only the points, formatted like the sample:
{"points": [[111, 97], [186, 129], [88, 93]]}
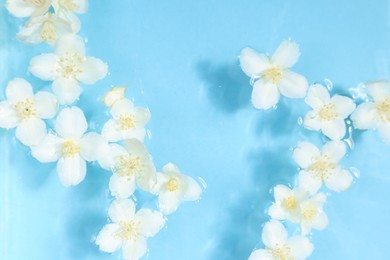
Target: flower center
{"points": [[290, 203], [172, 185], [129, 230], [25, 109], [38, 3], [126, 121], [322, 167], [69, 65], [273, 74], [127, 166], [70, 149], [328, 112], [69, 5], [282, 252], [384, 110], [49, 31], [309, 214]]}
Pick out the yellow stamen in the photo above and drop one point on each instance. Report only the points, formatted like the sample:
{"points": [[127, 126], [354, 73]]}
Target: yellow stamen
{"points": [[69, 5], [126, 121], [273, 74], [282, 252], [25, 109], [127, 166], [172, 185], [328, 112], [38, 3], [69, 65], [290, 203], [322, 167], [70, 149], [129, 230], [309, 214], [49, 31], [383, 109]]}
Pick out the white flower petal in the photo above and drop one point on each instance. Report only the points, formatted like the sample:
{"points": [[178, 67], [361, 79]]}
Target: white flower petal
{"points": [[142, 116], [317, 96], [344, 105], [135, 249], [193, 190], [168, 201], [46, 104], [384, 132], [274, 233], [20, 8], [264, 95], [335, 150], [71, 170], [253, 63], [312, 121], [92, 70], [339, 181], [378, 90], [365, 116], [121, 187], [286, 55], [151, 222], [320, 221], [71, 123], [31, 132], [82, 6], [66, 90], [8, 116], [107, 240], [121, 210], [335, 130], [44, 66], [111, 132], [301, 247], [261, 254], [139, 134], [70, 43], [276, 212], [122, 107], [293, 85], [304, 154], [147, 179], [281, 192], [114, 95], [309, 182], [49, 150], [110, 154], [92, 145], [18, 90]]}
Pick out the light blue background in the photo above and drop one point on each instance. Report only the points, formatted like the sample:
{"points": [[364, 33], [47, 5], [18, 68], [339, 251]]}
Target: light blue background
{"points": [[179, 58]]}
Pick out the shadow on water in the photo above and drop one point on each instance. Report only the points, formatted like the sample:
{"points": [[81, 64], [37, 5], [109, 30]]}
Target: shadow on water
{"points": [[269, 158], [227, 86]]}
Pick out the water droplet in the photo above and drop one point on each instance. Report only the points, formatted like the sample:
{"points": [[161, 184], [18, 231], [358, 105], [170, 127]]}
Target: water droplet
{"points": [[300, 120], [328, 84], [149, 134], [52, 132], [349, 139], [271, 191], [355, 172], [133, 197], [252, 81], [275, 107], [202, 182]]}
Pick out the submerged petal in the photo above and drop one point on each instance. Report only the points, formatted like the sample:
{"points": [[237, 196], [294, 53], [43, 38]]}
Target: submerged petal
{"points": [[365, 116], [335, 150], [293, 85], [46, 104], [8, 116], [253, 63], [107, 240], [339, 181], [301, 247], [70, 43], [134, 249], [66, 90], [317, 96], [344, 105], [31, 132], [168, 201], [193, 190], [384, 131], [44, 66], [378, 90], [92, 146], [49, 150], [286, 55], [264, 95], [121, 210], [111, 132], [121, 187], [274, 233], [71, 123], [309, 182], [335, 130], [304, 154], [92, 70], [261, 254], [312, 121], [71, 170], [151, 222]]}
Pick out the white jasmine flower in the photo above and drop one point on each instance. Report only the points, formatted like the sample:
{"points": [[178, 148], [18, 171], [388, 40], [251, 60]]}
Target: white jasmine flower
{"points": [[44, 28], [173, 187], [68, 67], [66, 9], [273, 75], [376, 113], [25, 111], [287, 203], [279, 246], [71, 147], [322, 166], [313, 215], [329, 113], [132, 167], [25, 8], [129, 229], [114, 95], [127, 122]]}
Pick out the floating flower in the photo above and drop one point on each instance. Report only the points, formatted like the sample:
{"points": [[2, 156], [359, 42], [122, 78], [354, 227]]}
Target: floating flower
{"points": [[287, 203], [312, 214], [25, 111], [173, 187], [322, 166], [329, 113], [127, 122], [66, 9], [68, 67], [44, 28], [376, 113], [279, 246], [132, 167], [114, 95], [70, 147], [129, 229], [272, 74], [25, 8]]}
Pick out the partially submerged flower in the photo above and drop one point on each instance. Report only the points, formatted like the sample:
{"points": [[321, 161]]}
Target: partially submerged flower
{"points": [[71, 147], [272, 74], [114, 95], [44, 28], [68, 67], [132, 167], [375, 114], [127, 122], [279, 246], [66, 9], [329, 113], [312, 214], [173, 187], [26, 8], [25, 111], [129, 229], [318, 167]]}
